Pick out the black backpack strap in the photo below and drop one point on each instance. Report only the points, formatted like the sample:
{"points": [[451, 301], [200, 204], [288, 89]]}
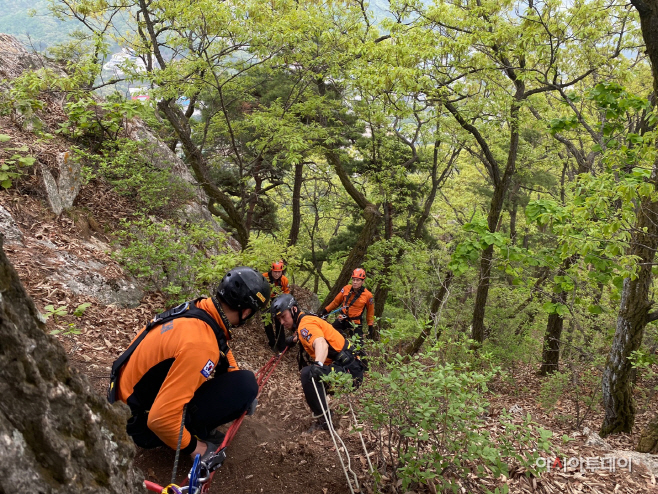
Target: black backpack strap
{"points": [[188, 310], [356, 294]]}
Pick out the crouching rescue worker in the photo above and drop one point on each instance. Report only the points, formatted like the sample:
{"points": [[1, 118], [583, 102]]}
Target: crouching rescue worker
{"points": [[327, 348], [355, 301], [169, 363], [276, 335]]}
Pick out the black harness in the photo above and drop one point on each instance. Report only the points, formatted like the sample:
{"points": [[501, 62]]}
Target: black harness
{"points": [[355, 296], [187, 309]]}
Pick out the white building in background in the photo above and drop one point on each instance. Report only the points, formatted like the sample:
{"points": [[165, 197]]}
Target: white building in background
{"points": [[118, 60]]}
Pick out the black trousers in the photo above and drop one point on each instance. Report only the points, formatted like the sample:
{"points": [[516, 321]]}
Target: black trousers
{"points": [[344, 326], [276, 336], [355, 369], [217, 401]]}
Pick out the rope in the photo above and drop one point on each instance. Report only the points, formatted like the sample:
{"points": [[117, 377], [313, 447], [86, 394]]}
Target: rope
{"points": [[180, 438], [363, 443], [332, 432]]}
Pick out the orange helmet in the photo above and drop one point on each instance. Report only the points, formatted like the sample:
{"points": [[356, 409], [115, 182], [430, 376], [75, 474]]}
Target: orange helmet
{"points": [[277, 266], [359, 273]]}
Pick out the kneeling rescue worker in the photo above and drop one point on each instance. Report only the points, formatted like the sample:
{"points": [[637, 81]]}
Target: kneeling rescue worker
{"points": [[356, 300], [169, 363], [327, 348], [276, 335]]}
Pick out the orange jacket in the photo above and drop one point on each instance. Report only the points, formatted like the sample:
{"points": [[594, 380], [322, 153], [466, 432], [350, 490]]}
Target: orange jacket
{"points": [[364, 302], [278, 286], [311, 327], [192, 345]]}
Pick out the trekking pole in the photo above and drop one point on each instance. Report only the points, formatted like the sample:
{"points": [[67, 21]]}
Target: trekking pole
{"points": [[332, 432]]}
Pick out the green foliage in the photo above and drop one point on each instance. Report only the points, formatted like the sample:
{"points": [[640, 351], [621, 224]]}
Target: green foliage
{"points": [[168, 256], [54, 312], [433, 412], [130, 166], [80, 309], [12, 166]]}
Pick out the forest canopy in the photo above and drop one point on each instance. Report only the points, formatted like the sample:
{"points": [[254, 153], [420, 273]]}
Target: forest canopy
{"points": [[492, 165]]}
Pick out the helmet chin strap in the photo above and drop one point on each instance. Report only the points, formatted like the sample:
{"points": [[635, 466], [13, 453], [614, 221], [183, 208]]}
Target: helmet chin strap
{"points": [[223, 317], [296, 315]]}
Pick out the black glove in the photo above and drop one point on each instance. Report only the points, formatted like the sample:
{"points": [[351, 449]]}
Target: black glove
{"points": [[291, 341], [322, 312], [318, 370], [370, 329]]}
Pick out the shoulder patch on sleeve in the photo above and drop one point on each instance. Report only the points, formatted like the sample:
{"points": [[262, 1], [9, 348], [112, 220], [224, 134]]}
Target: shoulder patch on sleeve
{"points": [[208, 368], [372, 301], [305, 333], [342, 290]]}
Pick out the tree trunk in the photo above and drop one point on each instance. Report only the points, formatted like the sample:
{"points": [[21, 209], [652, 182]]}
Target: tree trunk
{"points": [[649, 438], [550, 360], [500, 189], [358, 252], [634, 305], [198, 164], [437, 303], [367, 235], [296, 205], [57, 434]]}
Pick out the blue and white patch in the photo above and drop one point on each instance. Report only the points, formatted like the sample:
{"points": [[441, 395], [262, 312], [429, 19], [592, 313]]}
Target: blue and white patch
{"points": [[208, 368], [342, 290], [304, 333], [372, 301]]}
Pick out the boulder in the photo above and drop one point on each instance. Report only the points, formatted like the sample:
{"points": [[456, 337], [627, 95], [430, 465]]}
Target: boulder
{"points": [[56, 434], [63, 190]]}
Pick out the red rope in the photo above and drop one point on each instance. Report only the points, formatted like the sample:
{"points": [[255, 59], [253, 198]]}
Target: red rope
{"points": [[262, 376]]}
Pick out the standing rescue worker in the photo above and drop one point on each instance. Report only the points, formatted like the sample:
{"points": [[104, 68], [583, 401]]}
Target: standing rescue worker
{"points": [[355, 300], [327, 348], [276, 335], [170, 361]]}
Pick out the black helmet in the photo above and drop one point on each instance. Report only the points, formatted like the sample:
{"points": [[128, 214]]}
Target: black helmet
{"points": [[282, 303], [244, 288]]}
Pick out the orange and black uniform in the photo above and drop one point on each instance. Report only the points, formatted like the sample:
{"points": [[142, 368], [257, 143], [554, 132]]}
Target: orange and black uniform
{"points": [[339, 357], [278, 286], [170, 368], [276, 336], [354, 304]]}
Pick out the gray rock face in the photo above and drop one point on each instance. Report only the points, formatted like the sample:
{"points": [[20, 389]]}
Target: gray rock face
{"points": [[63, 191], [8, 228], [56, 435], [86, 278]]}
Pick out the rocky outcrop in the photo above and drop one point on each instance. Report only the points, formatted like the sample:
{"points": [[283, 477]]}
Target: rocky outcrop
{"points": [[15, 59], [8, 228], [56, 434], [63, 190]]}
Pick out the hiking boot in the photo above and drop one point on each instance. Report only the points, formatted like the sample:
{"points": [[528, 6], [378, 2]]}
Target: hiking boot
{"points": [[320, 425]]}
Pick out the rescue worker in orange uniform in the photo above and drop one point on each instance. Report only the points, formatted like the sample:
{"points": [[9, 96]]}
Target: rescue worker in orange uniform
{"points": [[355, 301], [327, 348], [168, 365], [276, 335]]}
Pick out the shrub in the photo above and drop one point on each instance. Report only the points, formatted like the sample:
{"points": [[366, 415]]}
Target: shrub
{"points": [[169, 256], [429, 416]]}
